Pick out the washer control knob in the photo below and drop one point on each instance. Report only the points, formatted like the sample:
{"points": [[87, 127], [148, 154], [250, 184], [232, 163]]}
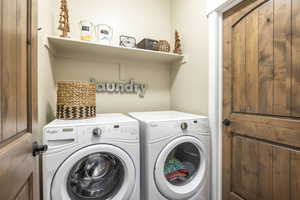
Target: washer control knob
{"points": [[184, 126], [97, 132]]}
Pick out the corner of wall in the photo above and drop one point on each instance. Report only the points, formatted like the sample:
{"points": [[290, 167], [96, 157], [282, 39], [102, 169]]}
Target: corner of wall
{"points": [[46, 83], [189, 82]]}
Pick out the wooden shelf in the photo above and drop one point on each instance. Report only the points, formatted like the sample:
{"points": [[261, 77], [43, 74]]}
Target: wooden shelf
{"points": [[70, 47]]}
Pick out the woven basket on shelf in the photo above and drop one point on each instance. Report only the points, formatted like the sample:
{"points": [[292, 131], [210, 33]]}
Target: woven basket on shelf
{"points": [[76, 100]]}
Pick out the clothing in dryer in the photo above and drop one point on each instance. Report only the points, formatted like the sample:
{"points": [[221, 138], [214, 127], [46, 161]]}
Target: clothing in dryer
{"points": [[182, 163]]}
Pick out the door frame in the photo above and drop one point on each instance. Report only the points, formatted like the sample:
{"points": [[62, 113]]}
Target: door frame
{"points": [[33, 88], [215, 110]]}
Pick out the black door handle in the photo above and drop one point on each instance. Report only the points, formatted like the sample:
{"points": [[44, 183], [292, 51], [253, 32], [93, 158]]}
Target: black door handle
{"points": [[226, 122], [38, 149]]}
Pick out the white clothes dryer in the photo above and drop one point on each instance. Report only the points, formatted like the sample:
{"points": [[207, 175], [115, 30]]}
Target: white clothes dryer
{"points": [[92, 159], [175, 152]]}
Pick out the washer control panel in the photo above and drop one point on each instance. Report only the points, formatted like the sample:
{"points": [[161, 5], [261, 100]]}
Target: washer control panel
{"points": [[184, 126], [97, 132], [113, 131]]}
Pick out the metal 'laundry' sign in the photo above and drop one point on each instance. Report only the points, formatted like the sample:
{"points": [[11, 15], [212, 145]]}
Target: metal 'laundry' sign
{"points": [[121, 87]]}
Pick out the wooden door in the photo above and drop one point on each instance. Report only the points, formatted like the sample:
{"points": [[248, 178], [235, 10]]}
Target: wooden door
{"points": [[18, 101], [261, 101]]}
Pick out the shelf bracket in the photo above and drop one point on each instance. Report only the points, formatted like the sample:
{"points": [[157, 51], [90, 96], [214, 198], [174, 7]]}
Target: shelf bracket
{"points": [[185, 59], [48, 46]]}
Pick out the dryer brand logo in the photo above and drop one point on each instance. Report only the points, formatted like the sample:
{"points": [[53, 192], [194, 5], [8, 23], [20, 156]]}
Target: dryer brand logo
{"points": [[121, 87]]}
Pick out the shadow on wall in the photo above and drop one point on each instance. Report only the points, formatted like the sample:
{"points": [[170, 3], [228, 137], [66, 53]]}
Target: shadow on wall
{"points": [[51, 106], [174, 72], [155, 75], [50, 113]]}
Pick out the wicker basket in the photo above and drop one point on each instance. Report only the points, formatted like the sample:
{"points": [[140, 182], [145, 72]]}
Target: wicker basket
{"points": [[76, 100], [163, 45]]}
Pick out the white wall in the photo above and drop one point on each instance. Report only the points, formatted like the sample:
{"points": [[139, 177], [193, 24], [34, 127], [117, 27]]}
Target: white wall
{"points": [[156, 76], [213, 4], [46, 85], [182, 88], [189, 90], [141, 19]]}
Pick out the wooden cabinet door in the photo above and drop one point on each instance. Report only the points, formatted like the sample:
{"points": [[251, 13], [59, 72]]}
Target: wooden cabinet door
{"points": [[18, 101], [261, 101]]}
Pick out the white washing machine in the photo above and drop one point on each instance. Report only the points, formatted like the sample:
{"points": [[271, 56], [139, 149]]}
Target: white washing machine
{"points": [[176, 158], [92, 159]]}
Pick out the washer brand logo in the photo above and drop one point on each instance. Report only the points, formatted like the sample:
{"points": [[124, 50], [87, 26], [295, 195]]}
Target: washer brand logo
{"points": [[153, 125], [130, 87], [52, 131]]}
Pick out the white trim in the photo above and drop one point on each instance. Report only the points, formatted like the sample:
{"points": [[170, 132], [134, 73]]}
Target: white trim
{"points": [[215, 17], [224, 6]]}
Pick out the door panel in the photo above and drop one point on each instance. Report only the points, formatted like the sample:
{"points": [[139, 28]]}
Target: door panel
{"points": [[26, 192], [252, 162], [295, 172], [277, 130], [282, 57], [281, 175], [265, 58], [18, 102], [14, 74], [251, 57], [263, 72], [261, 97], [14, 173], [239, 81], [260, 168], [1, 64], [22, 19], [296, 57], [9, 68]]}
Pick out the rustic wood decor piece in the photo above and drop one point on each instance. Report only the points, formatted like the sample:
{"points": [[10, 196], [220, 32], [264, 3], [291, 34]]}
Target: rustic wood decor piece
{"points": [[177, 49], [64, 24], [163, 45], [76, 100], [261, 101]]}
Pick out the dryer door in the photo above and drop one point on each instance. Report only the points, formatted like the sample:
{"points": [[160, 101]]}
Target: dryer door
{"points": [[95, 172], [181, 168]]}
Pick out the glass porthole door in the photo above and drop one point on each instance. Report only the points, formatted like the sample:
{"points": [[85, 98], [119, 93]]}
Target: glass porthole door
{"points": [[182, 164], [96, 176], [180, 168], [97, 172]]}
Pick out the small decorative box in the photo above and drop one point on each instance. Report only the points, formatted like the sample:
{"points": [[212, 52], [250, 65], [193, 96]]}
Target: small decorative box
{"points": [[148, 44]]}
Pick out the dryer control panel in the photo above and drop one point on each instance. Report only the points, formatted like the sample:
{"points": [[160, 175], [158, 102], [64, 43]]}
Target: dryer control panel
{"points": [[196, 125], [156, 131]]}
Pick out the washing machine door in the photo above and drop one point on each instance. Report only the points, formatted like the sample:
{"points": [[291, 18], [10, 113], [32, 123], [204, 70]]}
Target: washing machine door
{"points": [[180, 169], [95, 172]]}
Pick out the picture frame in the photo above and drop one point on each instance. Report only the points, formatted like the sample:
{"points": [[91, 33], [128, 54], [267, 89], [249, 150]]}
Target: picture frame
{"points": [[127, 41]]}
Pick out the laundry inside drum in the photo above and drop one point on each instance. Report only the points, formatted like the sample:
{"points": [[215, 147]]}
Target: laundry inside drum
{"points": [[182, 164]]}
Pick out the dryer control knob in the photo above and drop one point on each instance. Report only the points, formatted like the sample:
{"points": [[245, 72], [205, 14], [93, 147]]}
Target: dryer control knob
{"points": [[97, 132], [184, 126]]}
